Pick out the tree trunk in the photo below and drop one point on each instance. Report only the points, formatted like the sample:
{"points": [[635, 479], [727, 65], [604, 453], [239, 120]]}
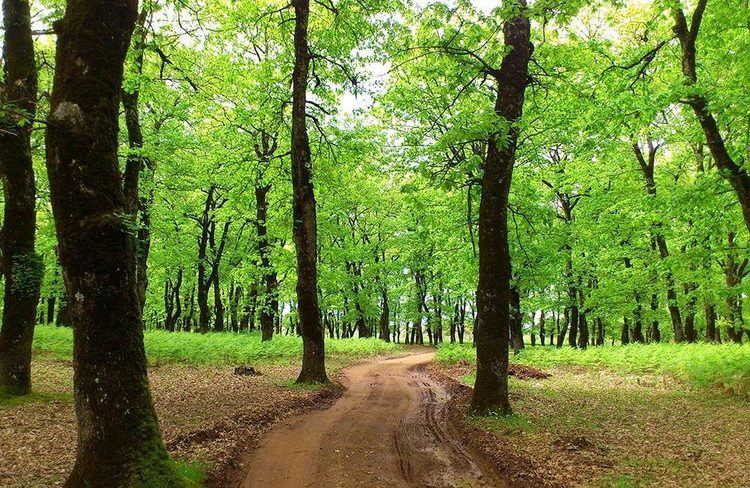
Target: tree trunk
{"points": [[218, 306], [51, 308], [647, 166], [305, 219], [711, 329], [493, 291], [516, 321], [733, 274], [22, 267], [119, 442], [204, 313], [625, 333], [269, 305], [734, 173], [564, 329], [654, 333], [384, 318], [541, 328], [138, 207]]}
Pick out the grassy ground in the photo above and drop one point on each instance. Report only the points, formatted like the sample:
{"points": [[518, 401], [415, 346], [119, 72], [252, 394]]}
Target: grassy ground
{"points": [[215, 348], [720, 366], [634, 416], [204, 409]]}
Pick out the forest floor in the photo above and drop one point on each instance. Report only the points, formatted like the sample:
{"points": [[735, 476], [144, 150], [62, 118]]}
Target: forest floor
{"points": [[589, 426], [403, 422], [389, 429], [207, 414]]}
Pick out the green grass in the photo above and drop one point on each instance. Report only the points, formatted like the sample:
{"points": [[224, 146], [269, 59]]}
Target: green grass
{"points": [[194, 473], [214, 348], [725, 366], [507, 425], [7, 401]]}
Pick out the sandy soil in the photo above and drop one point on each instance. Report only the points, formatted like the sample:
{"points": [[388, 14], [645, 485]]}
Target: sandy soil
{"points": [[389, 429]]}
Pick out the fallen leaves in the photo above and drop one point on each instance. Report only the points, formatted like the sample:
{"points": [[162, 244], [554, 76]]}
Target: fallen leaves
{"points": [[596, 427], [205, 413]]}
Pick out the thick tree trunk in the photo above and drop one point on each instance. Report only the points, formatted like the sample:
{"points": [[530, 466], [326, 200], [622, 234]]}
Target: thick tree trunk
{"points": [[625, 332], [119, 442], [493, 292], [305, 219], [20, 265]]}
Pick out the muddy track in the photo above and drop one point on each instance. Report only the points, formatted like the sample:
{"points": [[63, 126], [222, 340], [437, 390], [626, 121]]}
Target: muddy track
{"points": [[389, 429]]}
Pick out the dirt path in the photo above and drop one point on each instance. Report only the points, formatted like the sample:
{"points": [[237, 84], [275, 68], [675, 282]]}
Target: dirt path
{"points": [[387, 430]]}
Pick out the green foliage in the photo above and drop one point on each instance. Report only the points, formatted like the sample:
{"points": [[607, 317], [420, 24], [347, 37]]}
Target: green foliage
{"points": [[213, 348], [724, 366]]}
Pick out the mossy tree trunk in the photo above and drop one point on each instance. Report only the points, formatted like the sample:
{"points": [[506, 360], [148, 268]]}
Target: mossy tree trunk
{"points": [[21, 266], [493, 291], [119, 442]]}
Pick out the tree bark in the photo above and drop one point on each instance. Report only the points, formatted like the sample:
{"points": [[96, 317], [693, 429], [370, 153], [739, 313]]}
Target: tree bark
{"points": [[493, 291], [119, 442], [138, 206], [305, 226], [20, 264]]}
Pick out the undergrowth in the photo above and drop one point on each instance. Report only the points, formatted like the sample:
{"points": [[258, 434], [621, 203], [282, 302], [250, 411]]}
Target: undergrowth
{"points": [[725, 366], [212, 348]]}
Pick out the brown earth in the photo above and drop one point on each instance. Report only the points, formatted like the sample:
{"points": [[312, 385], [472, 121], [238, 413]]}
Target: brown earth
{"points": [[390, 428], [208, 415]]}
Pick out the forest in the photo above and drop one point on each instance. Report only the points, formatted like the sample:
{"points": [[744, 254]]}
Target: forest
{"points": [[379, 243]]}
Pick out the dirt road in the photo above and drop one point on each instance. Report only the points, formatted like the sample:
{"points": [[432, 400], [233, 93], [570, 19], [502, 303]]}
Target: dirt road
{"points": [[387, 430]]}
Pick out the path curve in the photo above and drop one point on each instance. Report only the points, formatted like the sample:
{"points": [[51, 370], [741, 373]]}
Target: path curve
{"points": [[388, 429]]}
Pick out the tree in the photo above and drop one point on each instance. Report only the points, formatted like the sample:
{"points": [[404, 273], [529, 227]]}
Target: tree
{"points": [[305, 218], [493, 293], [119, 442], [20, 265], [734, 173]]}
